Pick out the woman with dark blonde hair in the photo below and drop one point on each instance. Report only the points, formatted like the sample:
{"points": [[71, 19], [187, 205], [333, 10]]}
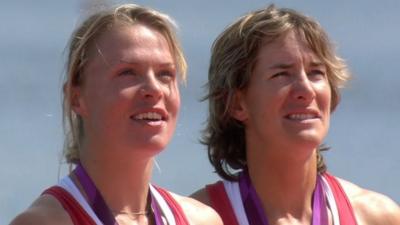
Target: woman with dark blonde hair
{"points": [[274, 80], [121, 101]]}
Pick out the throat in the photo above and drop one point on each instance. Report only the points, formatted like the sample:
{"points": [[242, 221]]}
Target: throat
{"points": [[124, 218], [274, 205]]}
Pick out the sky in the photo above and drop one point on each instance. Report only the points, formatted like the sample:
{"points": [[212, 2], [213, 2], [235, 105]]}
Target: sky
{"points": [[364, 129]]}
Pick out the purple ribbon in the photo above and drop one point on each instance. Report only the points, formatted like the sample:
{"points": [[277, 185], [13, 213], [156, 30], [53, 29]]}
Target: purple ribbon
{"points": [[320, 214], [254, 209], [97, 203]]}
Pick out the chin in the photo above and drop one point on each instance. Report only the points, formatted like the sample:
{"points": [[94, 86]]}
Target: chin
{"points": [[308, 140], [149, 148], [154, 146]]}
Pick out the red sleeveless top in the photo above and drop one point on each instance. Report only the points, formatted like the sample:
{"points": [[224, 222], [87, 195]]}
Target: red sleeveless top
{"points": [[76, 212], [220, 202], [79, 216]]}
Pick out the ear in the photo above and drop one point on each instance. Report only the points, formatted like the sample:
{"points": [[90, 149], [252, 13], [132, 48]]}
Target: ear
{"points": [[238, 108], [77, 101]]}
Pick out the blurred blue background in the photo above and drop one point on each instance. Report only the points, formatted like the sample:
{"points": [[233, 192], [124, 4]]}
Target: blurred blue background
{"points": [[364, 133]]}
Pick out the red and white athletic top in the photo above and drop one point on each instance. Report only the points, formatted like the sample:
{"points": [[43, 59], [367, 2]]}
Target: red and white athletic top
{"points": [[225, 198], [81, 213]]}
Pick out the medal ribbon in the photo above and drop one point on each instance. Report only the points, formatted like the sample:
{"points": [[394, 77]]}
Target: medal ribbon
{"points": [[97, 203]]}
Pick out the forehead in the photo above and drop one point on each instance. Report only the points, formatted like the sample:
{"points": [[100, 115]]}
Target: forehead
{"points": [[132, 42], [290, 47]]}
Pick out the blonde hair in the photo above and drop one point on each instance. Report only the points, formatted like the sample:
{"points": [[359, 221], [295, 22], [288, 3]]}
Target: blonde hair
{"points": [[233, 57], [82, 40]]}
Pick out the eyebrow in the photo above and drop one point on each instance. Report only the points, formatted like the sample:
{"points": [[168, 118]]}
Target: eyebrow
{"points": [[317, 64], [289, 65], [281, 66], [166, 64]]}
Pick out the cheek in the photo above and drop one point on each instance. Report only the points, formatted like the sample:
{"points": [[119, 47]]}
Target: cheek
{"points": [[173, 101], [175, 93], [328, 100], [324, 97], [110, 105], [177, 102]]}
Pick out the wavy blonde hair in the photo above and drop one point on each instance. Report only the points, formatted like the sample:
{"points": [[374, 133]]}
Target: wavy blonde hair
{"points": [[82, 41], [233, 58]]}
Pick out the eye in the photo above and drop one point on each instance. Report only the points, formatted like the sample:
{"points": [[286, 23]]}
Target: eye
{"points": [[280, 74], [167, 75], [317, 74], [127, 72]]}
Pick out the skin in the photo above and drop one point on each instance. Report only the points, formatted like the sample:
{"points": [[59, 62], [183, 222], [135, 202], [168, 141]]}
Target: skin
{"points": [[129, 102], [286, 112]]}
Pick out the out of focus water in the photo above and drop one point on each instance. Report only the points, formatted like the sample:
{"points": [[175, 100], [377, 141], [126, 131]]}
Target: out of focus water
{"points": [[364, 133]]}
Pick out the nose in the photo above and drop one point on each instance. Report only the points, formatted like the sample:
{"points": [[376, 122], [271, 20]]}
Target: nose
{"points": [[303, 88], [151, 87]]}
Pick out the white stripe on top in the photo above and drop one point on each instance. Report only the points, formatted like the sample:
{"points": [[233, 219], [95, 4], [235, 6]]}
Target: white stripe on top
{"points": [[167, 212], [71, 188], [233, 191], [331, 202]]}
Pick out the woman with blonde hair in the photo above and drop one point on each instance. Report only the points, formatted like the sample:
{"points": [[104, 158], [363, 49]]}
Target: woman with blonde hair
{"points": [[274, 81], [121, 101]]}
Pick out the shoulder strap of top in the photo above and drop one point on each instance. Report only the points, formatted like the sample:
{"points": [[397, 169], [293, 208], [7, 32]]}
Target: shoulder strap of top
{"points": [[346, 213], [179, 215], [220, 202], [76, 212]]}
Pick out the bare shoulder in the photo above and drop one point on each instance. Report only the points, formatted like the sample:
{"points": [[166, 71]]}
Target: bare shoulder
{"points": [[202, 196], [197, 212], [45, 210], [371, 207]]}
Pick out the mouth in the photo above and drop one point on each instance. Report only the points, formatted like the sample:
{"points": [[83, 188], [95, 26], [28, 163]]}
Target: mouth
{"points": [[150, 117], [303, 116]]}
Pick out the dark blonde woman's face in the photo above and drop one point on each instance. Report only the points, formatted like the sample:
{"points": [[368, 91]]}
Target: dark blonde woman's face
{"points": [[129, 98], [287, 102]]}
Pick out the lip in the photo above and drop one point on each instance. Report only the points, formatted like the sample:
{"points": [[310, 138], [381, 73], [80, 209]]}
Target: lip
{"points": [[162, 112]]}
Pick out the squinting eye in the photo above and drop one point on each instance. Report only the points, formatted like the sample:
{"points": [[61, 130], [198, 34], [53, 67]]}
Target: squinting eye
{"points": [[167, 75], [317, 73], [280, 74], [128, 72]]}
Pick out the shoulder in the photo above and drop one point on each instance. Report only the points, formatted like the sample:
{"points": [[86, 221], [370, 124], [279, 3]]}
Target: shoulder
{"points": [[196, 211], [371, 207], [211, 193], [202, 196], [45, 210]]}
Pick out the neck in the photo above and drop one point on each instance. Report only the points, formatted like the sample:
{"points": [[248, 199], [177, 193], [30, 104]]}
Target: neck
{"points": [[284, 185], [123, 181]]}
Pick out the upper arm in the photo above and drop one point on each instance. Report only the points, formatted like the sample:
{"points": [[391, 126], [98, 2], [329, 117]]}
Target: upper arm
{"points": [[375, 208], [371, 207], [32, 216], [45, 210]]}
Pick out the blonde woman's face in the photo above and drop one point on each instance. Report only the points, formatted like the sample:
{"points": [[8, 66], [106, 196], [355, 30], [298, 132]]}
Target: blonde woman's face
{"points": [[129, 99]]}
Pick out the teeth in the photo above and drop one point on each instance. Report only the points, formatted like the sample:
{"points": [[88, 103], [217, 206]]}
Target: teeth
{"points": [[301, 116], [148, 116]]}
